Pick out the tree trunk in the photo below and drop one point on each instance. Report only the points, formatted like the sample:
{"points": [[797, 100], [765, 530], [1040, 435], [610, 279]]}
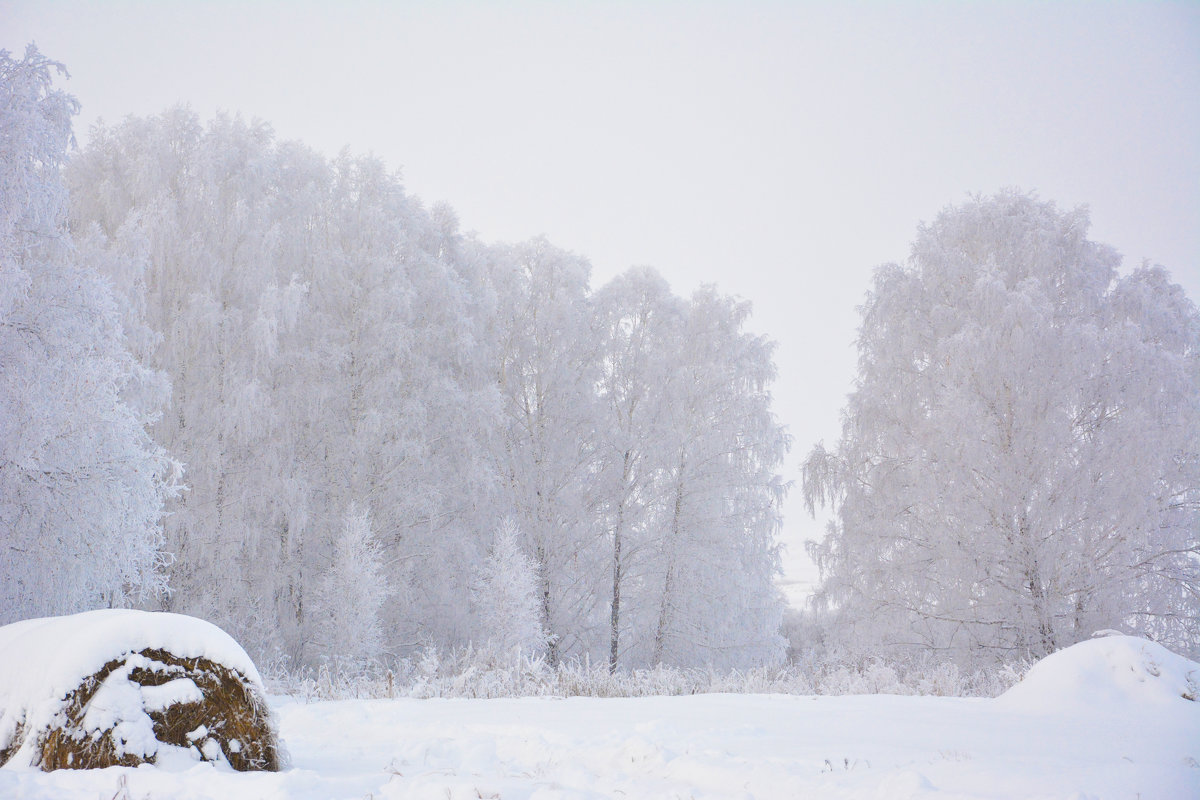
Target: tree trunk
{"points": [[618, 533], [615, 620], [667, 603], [543, 571], [1047, 642]]}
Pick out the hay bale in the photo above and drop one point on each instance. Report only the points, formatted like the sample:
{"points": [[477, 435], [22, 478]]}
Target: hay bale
{"points": [[149, 688]]}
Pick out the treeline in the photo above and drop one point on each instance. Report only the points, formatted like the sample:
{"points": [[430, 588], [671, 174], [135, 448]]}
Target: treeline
{"points": [[394, 435], [398, 439]]}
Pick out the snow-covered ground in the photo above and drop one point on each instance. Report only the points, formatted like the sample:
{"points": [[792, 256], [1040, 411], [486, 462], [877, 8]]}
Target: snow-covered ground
{"points": [[1104, 719]]}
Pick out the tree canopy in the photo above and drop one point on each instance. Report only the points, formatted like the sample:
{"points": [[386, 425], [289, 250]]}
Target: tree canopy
{"points": [[1019, 465], [333, 345]]}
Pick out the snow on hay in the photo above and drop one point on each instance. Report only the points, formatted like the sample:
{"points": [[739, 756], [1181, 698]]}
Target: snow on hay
{"points": [[1114, 670], [120, 687]]}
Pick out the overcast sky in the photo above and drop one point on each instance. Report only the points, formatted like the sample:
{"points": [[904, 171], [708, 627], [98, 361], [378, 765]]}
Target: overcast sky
{"points": [[779, 150]]}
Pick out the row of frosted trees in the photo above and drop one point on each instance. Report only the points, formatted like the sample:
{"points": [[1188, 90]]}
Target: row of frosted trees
{"points": [[373, 411]]}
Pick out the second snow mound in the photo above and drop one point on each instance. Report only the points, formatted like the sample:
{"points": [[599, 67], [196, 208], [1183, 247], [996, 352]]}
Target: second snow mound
{"points": [[1110, 670], [121, 688]]}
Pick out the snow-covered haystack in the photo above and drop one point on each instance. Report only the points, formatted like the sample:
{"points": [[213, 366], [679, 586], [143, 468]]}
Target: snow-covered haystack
{"points": [[121, 688], [1109, 670]]}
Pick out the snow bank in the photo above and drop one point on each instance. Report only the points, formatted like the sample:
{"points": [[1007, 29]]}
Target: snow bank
{"points": [[48, 656], [1111, 671], [121, 682]]}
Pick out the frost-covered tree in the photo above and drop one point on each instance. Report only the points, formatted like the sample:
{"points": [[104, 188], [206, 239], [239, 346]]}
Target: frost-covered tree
{"points": [[347, 629], [638, 322], [398, 399], [82, 485], [504, 593], [713, 595], [546, 454], [1020, 459]]}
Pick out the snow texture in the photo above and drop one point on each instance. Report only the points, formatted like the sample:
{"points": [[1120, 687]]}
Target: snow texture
{"points": [[1117, 737]]}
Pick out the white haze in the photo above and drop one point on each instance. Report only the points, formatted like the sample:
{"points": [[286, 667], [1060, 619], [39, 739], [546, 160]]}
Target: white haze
{"points": [[780, 150]]}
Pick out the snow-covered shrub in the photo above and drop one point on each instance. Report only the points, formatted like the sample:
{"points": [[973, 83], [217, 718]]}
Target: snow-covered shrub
{"points": [[122, 688], [943, 680]]}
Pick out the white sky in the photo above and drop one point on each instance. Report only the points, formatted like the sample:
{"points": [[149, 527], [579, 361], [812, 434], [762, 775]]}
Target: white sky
{"points": [[780, 150]]}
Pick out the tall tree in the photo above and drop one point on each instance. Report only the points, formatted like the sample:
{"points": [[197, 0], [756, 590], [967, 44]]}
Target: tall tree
{"points": [[546, 374], [202, 204], [638, 325], [82, 485], [715, 597], [399, 399], [1020, 460]]}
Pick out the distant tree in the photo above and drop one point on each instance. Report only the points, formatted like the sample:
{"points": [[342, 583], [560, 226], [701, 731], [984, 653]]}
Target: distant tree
{"points": [[505, 595], [397, 394], [347, 629], [219, 296], [1020, 460], [82, 485]]}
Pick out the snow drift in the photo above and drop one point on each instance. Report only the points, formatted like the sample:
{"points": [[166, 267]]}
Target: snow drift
{"points": [[1114, 671], [121, 688]]}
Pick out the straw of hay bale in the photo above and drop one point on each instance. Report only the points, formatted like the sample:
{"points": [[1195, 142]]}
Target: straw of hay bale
{"points": [[231, 721]]}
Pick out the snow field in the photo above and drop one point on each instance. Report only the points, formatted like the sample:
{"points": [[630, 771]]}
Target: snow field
{"points": [[743, 747], [1105, 719]]}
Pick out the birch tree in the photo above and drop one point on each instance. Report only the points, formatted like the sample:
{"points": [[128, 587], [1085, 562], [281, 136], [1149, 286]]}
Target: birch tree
{"points": [[546, 375], [715, 600], [638, 325], [323, 346], [201, 204], [504, 593], [1020, 460], [347, 629]]}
